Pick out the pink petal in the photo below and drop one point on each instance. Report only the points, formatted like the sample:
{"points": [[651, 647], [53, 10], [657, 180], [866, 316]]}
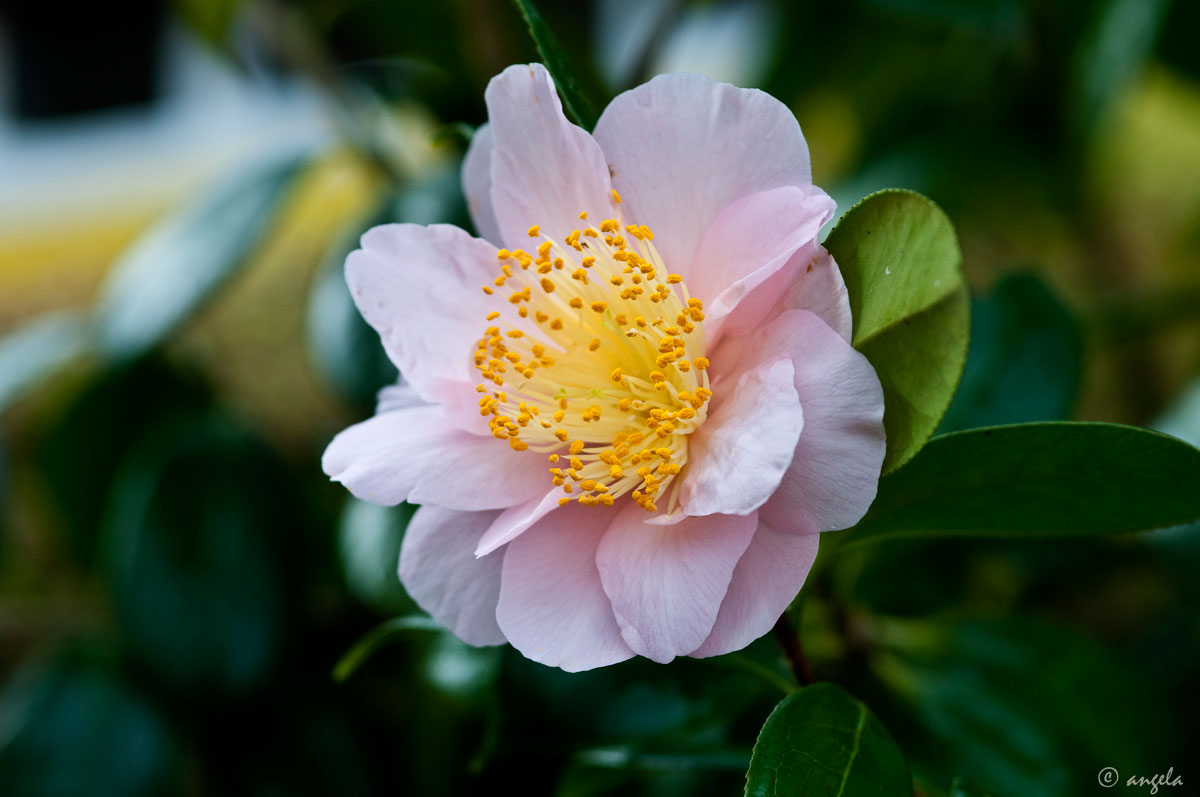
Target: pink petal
{"points": [[440, 572], [809, 281], [667, 582], [545, 170], [514, 521], [766, 579], [835, 471], [419, 287], [682, 148], [552, 605], [417, 455], [738, 456], [477, 184], [751, 240]]}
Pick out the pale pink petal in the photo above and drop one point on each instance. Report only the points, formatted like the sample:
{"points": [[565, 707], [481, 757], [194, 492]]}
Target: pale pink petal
{"points": [[552, 606], [545, 170], [419, 287], [477, 185], [666, 583], [809, 281], [750, 241], [417, 455], [440, 572], [835, 471], [683, 147], [766, 579], [514, 521], [739, 454]]}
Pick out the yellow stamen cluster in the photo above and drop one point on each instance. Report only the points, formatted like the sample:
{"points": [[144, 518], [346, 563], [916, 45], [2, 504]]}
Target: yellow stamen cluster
{"points": [[600, 366]]}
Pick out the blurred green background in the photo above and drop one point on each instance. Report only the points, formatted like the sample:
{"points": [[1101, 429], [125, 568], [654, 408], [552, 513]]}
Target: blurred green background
{"points": [[179, 184]]}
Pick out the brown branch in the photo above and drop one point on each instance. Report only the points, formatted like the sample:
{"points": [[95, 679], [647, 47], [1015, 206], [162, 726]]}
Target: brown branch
{"points": [[789, 641]]}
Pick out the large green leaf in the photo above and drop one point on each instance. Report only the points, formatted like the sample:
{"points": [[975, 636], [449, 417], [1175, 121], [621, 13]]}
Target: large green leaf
{"points": [[555, 58], [822, 741], [899, 255], [1025, 362], [157, 284], [1039, 479], [36, 350]]}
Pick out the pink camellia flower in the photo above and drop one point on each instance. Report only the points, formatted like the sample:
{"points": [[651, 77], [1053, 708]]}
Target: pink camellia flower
{"points": [[627, 426]]}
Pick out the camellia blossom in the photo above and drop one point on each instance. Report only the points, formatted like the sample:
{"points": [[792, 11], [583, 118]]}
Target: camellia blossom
{"points": [[629, 408]]}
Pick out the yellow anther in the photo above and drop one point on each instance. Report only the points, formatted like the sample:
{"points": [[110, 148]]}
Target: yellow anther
{"points": [[674, 279], [556, 324], [575, 447], [488, 290], [615, 375], [583, 215], [594, 344], [547, 285], [576, 302], [588, 261], [534, 230], [616, 196], [701, 363], [564, 501], [599, 307]]}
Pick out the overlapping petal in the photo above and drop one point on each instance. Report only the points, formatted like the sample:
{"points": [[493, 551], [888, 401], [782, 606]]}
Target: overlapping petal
{"points": [[419, 288], [416, 455], [666, 583], [477, 185], [750, 241], [552, 606], [739, 455], [440, 571], [682, 148], [544, 170], [765, 581]]}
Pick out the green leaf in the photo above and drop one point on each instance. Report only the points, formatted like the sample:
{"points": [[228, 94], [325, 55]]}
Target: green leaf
{"points": [[1025, 362], [899, 255], [36, 350], [157, 284], [378, 636], [1057, 479], [574, 99], [822, 741]]}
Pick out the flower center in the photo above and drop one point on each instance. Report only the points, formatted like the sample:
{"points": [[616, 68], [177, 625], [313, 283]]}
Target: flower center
{"points": [[599, 365]]}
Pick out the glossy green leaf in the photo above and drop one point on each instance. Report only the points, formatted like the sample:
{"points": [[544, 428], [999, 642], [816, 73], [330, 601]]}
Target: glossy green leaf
{"points": [[899, 255], [822, 741], [35, 351], [1025, 362], [157, 284], [378, 636], [575, 101], [1039, 479]]}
